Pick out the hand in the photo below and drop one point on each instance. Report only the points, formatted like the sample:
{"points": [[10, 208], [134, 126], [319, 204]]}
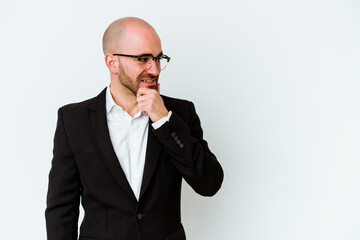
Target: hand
{"points": [[150, 102]]}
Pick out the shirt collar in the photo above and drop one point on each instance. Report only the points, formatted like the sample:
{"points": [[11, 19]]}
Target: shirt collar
{"points": [[110, 103]]}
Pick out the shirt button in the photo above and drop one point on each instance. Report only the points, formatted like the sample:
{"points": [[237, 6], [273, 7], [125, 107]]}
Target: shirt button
{"points": [[139, 216]]}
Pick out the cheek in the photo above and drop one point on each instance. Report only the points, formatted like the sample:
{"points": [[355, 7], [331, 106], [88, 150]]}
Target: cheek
{"points": [[134, 74], [142, 74]]}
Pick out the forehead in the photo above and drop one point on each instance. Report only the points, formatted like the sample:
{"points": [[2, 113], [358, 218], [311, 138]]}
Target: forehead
{"points": [[140, 40]]}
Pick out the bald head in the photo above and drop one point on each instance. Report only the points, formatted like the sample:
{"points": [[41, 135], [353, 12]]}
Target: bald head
{"points": [[120, 32]]}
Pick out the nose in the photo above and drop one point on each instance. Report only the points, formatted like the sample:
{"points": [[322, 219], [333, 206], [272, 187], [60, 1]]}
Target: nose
{"points": [[154, 69]]}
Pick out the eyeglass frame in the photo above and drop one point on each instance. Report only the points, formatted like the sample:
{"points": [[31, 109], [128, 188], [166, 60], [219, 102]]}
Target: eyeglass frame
{"points": [[138, 57]]}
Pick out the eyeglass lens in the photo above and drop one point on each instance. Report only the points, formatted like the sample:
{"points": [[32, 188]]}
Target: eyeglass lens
{"points": [[160, 64]]}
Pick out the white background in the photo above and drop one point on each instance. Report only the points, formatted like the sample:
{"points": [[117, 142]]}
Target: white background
{"points": [[275, 83]]}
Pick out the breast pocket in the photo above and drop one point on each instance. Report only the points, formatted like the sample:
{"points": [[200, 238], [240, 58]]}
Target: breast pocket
{"points": [[177, 234]]}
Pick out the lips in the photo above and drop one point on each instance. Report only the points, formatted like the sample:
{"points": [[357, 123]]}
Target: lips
{"points": [[148, 83]]}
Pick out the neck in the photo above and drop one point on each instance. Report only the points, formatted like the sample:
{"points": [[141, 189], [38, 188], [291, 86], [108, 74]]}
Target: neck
{"points": [[125, 99]]}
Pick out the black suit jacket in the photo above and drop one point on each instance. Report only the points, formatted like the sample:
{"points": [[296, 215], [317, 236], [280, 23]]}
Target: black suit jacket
{"points": [[85, 168]]}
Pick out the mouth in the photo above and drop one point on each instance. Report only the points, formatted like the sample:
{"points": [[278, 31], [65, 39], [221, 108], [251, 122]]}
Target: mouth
{"points": [[148, 80], [148, 83]]}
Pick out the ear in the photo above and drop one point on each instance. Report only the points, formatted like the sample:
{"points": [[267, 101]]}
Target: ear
{"points": [[112, 63]]}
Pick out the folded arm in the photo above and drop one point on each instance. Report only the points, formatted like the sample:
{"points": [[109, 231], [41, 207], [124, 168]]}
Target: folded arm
{"points": [[190, 153]]}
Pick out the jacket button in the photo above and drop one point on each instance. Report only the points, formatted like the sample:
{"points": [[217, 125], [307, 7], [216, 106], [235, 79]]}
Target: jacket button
{"points": [[139, 216], [181, 145], [173, 134], [176, 138]]}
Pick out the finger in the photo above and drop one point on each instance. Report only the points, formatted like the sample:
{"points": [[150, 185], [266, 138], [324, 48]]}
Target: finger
{"points": [[142, 107], [145, 97], [141, 91], [144, 90]]}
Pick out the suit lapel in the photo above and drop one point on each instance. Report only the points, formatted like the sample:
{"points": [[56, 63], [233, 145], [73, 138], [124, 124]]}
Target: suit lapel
{"points": [[153, 152], [101, 137]]}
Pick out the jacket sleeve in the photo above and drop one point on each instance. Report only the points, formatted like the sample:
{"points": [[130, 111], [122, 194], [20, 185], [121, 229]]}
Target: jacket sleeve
{"points": [[63, 197], [190, 153]]}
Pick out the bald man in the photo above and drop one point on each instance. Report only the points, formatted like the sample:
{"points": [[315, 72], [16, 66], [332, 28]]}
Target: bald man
{"points": [[125, 152]]}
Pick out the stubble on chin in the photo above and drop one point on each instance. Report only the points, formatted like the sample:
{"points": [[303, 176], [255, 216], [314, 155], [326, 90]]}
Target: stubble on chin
{"points": [[138, 86], [126, 81]]}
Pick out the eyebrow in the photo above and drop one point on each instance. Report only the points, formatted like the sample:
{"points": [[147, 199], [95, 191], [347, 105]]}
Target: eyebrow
{"points": [[149, 54]]}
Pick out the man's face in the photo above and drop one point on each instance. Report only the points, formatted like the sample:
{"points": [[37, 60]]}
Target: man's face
{"points": [[139, 79], [132, 74]]}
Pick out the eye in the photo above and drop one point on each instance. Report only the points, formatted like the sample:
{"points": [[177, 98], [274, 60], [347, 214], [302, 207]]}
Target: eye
{"points": [[144, 59]]}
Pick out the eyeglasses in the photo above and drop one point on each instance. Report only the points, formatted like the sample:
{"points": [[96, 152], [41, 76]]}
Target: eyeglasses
{"points": [[147, 60]]}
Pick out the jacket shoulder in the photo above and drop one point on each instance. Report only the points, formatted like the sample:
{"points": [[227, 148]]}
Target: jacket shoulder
{"points": [[175, 102], [79, 107]]}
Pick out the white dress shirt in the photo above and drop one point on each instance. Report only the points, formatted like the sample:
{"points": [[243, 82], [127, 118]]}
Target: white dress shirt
{"points": [[129, 137]]}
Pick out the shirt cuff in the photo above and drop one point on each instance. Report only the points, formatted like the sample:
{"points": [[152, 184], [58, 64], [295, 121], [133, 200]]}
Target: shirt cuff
{"points": [[160, 122]]}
